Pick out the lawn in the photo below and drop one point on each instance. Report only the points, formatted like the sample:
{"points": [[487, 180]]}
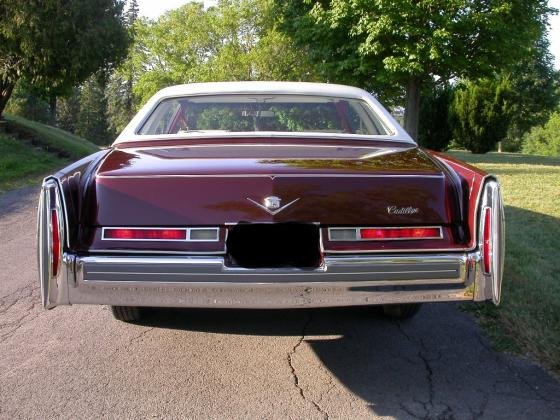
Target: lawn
{"points": [[528, 320], [30, 150], [51, 139]]}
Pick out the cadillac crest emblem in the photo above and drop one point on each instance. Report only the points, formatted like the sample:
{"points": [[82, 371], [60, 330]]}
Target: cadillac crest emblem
{"points": [[272, 204]]}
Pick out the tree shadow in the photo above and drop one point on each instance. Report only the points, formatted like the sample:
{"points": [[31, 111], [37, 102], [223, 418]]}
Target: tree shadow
{"points": [[435, 365], [504, 158], [13, 201]]}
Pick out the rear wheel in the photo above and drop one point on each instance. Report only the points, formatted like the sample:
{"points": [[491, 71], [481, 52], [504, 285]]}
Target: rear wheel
{"points": [[127, 313], [402, 311]]}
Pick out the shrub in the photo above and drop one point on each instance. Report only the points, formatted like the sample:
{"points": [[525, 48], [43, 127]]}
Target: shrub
{"points": [[544, 140], [480, 114]]}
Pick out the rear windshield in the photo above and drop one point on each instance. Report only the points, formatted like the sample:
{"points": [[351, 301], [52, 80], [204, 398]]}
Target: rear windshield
{"points": [[271, 113]]}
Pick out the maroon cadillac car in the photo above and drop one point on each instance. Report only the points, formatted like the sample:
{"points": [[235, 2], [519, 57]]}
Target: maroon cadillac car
{"points": [[268, 195]]}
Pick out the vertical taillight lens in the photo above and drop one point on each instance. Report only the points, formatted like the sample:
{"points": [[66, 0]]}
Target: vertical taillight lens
{"points": [[487, 240], [55, 242]]}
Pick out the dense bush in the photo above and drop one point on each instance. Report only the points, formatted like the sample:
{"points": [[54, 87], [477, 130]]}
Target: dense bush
{"points": [[434, 131], [544, 140], [480, 114]]}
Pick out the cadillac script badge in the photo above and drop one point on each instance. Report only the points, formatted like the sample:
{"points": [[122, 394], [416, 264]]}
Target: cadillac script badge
{"points": [[402, 210], [272, 205]]}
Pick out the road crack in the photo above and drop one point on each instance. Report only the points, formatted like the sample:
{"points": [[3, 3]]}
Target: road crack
{"points": [[295, 377], [20, 309], [431, 409]]}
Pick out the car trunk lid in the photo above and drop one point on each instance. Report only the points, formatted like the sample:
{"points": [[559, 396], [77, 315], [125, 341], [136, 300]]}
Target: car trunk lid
{"points": [[212, 185]]}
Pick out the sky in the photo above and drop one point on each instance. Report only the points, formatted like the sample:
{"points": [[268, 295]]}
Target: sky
{"points": [[155, 8]]}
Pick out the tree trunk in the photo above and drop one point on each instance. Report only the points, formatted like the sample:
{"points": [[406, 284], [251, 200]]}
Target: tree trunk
{"points": [[6, 89], [412, 111], [52, 111]]}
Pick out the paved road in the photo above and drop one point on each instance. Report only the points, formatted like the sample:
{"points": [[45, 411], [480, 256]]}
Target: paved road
{"points": [[79, 362]]}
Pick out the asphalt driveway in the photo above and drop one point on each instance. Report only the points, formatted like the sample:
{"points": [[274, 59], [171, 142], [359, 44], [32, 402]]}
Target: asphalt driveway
{"points": [[79, 362]]}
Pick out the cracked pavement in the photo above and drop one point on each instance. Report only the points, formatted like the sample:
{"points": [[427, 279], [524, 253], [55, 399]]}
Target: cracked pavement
{"points": [[348, 363]]}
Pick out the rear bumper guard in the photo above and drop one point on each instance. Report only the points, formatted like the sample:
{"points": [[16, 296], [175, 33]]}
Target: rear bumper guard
{"points": [[205, 281]]}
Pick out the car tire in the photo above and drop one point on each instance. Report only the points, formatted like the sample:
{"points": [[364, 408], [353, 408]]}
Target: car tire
{"points": [[402, 311], [127, 313]]}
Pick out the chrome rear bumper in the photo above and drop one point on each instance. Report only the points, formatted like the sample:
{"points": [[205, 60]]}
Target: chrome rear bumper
{"points": [[193, 281]]}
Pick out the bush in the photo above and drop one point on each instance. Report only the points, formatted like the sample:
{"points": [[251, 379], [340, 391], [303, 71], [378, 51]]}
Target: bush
{"points": [[480, 114], [544, 140]]}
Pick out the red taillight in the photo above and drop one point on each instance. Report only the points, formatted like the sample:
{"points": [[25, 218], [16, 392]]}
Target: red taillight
{"points": [[55, 242], [486, 238], [146, 234], [394, 233]]}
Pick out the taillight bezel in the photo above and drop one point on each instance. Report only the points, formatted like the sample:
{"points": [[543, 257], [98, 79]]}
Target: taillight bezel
{"points": [[491, 238], [357, 236], [188, 234]]}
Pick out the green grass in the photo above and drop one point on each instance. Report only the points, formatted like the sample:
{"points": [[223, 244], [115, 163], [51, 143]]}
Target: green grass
{"points": [[51, 138], [30, 150], [528, 320]]}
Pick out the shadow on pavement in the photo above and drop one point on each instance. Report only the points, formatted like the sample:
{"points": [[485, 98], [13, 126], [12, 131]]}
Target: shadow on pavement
{"points": [[435, 365]]}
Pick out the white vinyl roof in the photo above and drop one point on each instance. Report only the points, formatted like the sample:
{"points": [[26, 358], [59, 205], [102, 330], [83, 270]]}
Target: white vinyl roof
{"points": [[287, 88]]}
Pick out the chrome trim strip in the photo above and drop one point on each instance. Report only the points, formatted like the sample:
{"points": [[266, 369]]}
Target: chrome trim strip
{"points": [[64, 207], [187, 234], [397, 251], [390, 270], [194, 146], [359, 239], [269, 176], [150, 252]]}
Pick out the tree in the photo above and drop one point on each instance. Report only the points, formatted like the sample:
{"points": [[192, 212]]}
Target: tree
{"points": [[68, 111], [234, 40], [28, 105], [434, 131], [536, 92], [121, 102], [481, 113], [386, 44], [56, 44], [92, 119]]}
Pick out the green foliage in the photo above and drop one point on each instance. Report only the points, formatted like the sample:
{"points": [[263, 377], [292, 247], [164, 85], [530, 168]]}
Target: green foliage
{"points": [[480, 114], [234, 40], [122, 104], [544, 140], [435, 130], [26, 104], [388, 46], [536, 93], [92, 119], [56, 44], [68, 110]]}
